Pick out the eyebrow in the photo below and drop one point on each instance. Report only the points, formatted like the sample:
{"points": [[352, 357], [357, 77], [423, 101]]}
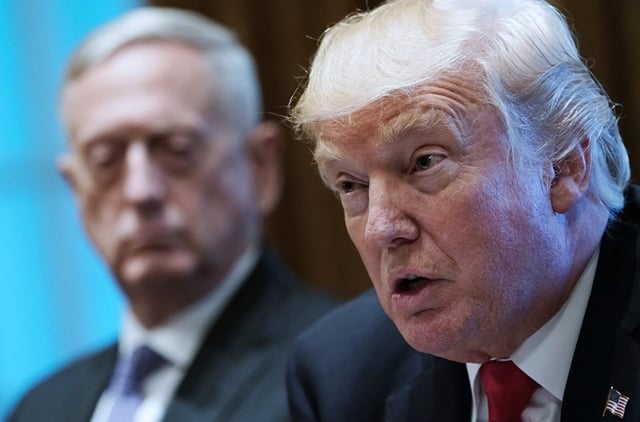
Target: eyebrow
{"points": [[406, 123], [401, 125]]}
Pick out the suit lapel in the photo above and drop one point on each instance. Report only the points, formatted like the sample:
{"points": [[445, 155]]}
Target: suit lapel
{"points": [[234, 351], [440, 393], [83, 400], [606, 354]]}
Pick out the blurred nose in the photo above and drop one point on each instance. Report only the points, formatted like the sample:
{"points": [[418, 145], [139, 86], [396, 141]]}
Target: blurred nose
{"points": [[389, 223], [144, 185]]}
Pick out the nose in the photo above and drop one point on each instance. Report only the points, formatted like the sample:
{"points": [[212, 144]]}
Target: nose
{"points": [[389, 222], [144, 185]]}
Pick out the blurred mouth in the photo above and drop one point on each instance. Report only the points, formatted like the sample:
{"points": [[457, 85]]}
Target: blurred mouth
{"points": [[151, 242]]}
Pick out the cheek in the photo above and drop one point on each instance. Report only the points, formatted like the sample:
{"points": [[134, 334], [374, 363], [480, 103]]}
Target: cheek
{"points": [[227, 197], [355, 229], [492, 205], [501, 236], [225, 203], [100, 217]]}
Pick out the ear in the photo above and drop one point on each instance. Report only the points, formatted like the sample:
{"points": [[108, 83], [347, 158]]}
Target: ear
{"points": [[266, 145], [68, 169], [571, 178]]}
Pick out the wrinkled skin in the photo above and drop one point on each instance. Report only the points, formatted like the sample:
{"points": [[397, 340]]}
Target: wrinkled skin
{"points": [[428, 190]]}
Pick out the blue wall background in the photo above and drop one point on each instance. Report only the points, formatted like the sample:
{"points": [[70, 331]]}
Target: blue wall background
{"points": [[57, 299]]}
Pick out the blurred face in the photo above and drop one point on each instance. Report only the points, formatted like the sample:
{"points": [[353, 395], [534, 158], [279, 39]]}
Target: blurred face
{"points": [[465, 252], [164, 186]]}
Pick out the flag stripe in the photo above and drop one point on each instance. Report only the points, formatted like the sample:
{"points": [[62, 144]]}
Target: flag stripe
{"points": [[616, 403]]}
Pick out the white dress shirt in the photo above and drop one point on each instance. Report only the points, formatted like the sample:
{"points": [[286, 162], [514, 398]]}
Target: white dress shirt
{"points": [[545, 356], [178, 340]]}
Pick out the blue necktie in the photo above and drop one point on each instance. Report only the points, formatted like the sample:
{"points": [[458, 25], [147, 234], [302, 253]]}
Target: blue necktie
{"points": [[126, 384]]}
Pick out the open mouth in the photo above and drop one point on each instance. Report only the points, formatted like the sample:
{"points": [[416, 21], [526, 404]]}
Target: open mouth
{"points": [[411, 283]]}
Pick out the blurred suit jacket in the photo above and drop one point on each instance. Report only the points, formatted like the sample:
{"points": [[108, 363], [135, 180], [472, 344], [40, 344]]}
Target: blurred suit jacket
{"points": [[354, 365], [237, 375]]}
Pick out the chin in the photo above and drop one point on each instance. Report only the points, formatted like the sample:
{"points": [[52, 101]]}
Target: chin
{"points": [[433, 336], [142, 270], [437, 346]]}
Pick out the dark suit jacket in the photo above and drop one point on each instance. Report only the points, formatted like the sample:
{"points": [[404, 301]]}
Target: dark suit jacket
{"points": [[238, 374], [353, 365]]}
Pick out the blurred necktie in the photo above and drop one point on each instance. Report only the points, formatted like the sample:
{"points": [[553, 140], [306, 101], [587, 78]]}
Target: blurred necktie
{"points": [[508, 390], [126, 384]]}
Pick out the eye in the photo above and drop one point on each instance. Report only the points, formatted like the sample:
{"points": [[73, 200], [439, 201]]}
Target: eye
{"points": [[346, 186], [179, 145], [427, 161], [178, 151], [103, 158], [101, 155], [352, 195]]}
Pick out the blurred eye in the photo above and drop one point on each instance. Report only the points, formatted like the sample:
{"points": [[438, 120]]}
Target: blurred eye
{"points": [[101, 155], [103, 158], [177, 151], [180, 145]]}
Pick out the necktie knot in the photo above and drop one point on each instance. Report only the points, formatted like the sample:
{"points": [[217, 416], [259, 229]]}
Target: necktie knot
{"points": [[126, 384], [508, 390], [131, 372]]}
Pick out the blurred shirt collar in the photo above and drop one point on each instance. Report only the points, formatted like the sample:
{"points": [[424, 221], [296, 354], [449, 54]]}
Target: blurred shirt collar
{"points": [[179, 339]]}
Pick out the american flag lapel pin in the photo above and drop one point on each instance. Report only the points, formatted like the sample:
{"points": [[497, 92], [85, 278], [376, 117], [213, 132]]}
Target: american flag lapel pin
{"points": [[616, 403]]}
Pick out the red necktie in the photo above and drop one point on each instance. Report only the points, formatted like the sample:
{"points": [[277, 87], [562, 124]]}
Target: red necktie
{"points": [[508, 390]]}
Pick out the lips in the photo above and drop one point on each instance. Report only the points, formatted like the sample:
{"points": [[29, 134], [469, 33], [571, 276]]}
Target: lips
{"points": [[150, 246], [418, 289], [413, 292], [151, 241], [409, 284]]}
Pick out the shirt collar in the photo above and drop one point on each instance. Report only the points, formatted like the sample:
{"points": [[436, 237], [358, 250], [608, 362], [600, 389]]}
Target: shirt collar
{"points": [[179, 338], [557, 338]]}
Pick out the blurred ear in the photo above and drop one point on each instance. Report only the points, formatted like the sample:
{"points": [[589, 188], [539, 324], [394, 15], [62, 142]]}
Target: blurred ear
{"points": [[68, 169], [266, 145], [571, 178]]}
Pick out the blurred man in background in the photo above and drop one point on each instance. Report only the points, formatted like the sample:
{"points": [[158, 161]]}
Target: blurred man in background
{"points": [[173, 171]]}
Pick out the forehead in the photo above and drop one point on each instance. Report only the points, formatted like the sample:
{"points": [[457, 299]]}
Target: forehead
{"points": [[453, 104], [147, 82]]}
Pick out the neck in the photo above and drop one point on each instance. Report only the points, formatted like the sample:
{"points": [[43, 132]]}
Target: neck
{"points": [[583, 231], [154, 305]]}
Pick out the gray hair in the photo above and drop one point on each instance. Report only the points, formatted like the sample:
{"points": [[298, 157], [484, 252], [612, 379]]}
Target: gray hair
{"points": [[529, 67], [232, 67]]}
